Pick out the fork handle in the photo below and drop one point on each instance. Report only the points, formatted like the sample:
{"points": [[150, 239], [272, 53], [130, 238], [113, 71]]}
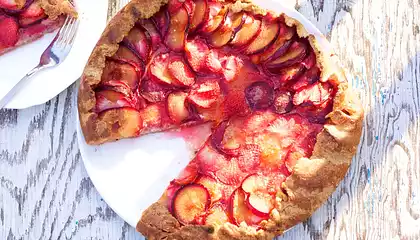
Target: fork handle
{"points": [[19, 85]]}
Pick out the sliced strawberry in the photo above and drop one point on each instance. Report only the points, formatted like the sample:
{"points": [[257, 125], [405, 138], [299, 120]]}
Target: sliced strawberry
{"points": [[120, 71], [196, 51], [108, 99], [178, 25], [210, 160], [212, 62], [247, 33], [216, 15], [283, 102], [249, 157], [152, 91], [159, 70], [259, 95], [273, 149], [161, 21], [217, 216], [126, 55], [315, 94], [265, 38], [231, 66], [296, 53], [130, 127], [177, 110], [231, 174], [309, 77], [155, 36], [138, 41], [259, 120], [9, 32], [239, 210], [180, 71], [200, 14], [205, 93], [212, 186], [188, 174], [190, 202]]}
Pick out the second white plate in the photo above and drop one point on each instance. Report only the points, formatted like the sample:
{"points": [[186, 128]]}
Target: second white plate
{"points": [[47, 84]]}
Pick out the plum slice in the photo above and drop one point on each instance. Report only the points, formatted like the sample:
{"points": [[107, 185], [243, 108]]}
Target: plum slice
{"points": [[279, 47], [188, 175], [247, 33], [152, 91], [180, 71], [9, 30], [224, 34], [267, 36], [138, 41], [239, 210], [205, 93], [259, 200], [217, 215], [315, 94], [159, 70], [310, 61], [119, 71], [196, 52], [155, 36], [216, 16], [32, 14], [130, 127], [178, 25], [286, 76], [127, 55], [296, 53], [200, 14], [177, 110], [108, 99], [190, 202], [212, 186], [161, 21], [259, 95], [309, 77], [283, 102]]}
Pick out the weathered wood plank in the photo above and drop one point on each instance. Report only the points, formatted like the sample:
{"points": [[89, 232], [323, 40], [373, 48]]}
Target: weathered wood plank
{"points": [[45, 192]]}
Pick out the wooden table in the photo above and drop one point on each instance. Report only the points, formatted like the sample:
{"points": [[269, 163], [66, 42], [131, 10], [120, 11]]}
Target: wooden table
{"points": [[45, 192]]}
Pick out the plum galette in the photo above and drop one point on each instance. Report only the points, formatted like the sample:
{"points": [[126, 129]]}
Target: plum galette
{"points": [[23, 21], [285, 122]]}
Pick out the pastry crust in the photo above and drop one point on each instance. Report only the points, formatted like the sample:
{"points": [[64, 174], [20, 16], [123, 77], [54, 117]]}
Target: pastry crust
{"points": [[312, 181]]}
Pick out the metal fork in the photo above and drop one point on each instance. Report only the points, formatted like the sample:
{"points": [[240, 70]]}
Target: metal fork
{"points": [[55, 54]]}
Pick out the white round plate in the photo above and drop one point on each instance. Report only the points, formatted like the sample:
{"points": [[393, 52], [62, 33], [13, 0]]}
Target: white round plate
{"points": [[47, 84], [131, 174]]}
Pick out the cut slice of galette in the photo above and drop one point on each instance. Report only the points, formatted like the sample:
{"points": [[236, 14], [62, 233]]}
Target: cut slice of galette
{"points": [[23, 21], [285, 122]]}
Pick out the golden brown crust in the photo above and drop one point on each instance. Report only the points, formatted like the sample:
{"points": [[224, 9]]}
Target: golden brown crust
{"points": [[55, 8], [107, 45], [312, 181]]}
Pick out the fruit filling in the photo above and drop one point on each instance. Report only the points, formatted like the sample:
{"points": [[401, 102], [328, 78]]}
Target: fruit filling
{"points": [[21, 21], [251, 75]]}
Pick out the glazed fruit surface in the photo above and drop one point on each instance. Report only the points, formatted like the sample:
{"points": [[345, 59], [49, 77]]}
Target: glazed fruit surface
{"points": [[199, 61], [21, 19]]}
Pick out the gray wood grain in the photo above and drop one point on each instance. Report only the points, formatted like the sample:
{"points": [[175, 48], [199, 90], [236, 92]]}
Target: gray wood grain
{"points": [[45, 192]]}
